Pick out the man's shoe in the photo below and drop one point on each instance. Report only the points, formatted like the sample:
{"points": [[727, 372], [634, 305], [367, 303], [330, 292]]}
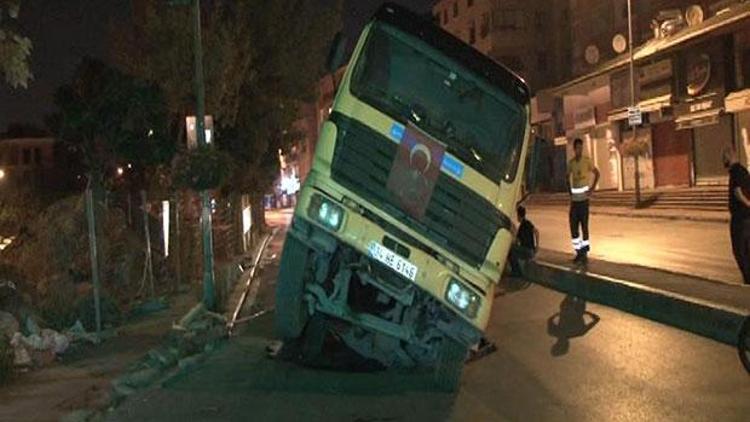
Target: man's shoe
{"points": [[578, 258]]}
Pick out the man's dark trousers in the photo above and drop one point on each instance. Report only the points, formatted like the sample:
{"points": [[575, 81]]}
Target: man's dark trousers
{"points": [[740, 234], [579, 218]]}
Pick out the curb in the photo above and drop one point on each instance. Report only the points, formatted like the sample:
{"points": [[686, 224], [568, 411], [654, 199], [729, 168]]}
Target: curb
{"points": [[715, 321], [595, 210], [626, 214]]}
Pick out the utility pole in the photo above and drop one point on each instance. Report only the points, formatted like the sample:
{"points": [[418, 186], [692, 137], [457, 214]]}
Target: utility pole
{"points": [[200, 129], [632, 105]]}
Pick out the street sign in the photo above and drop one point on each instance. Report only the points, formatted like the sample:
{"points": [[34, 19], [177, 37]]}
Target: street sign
{"points": [[192, 135], [635, 116]]}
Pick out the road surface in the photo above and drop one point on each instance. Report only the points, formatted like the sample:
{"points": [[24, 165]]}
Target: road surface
{"points": [[614, 366], [702, 249]]}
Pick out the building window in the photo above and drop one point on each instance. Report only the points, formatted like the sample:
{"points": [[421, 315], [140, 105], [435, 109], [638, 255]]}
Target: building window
{"points": [[469, 3], [26, 156], [472, 33], [513, 62], [455, 9], [484, 27], [541, 62]]}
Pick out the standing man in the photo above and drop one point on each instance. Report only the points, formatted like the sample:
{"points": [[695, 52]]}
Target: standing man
{"points": [[739, 208], [580, 169]]}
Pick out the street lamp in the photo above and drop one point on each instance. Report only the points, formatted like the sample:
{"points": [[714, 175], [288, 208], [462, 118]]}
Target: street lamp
{"points": [[2, 174]]}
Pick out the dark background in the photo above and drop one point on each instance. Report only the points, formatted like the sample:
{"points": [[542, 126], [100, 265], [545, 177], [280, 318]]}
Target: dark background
{"points": [[64, 31]]}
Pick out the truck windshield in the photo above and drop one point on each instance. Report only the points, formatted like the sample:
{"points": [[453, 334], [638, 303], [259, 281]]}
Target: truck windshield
{"points": [[407, 79]]}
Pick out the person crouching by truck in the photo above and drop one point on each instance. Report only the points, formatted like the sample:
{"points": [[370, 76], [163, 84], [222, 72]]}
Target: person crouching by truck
{"points": [[580, 169], [526, 244], [739, 209]]}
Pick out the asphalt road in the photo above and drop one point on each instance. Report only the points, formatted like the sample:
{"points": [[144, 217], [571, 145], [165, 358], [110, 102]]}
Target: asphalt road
{"points": [[551, 364], [702, 249]]}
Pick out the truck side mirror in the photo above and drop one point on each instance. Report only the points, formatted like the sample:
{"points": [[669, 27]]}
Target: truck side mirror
{"points": [[336, 53]]}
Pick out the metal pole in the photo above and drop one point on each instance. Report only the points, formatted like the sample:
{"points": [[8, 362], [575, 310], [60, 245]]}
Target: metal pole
{"points": [[148, 269], [94, 260], [632, 104], [208, 259], [177, 242]]}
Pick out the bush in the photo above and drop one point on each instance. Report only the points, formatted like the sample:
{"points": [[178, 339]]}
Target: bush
{"points": [[203, 168], [54, 257], [57, 307], [110, 312]]}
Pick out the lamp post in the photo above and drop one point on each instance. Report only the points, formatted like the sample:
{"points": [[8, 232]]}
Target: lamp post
{"points": [[636, 164], [200, 124]]}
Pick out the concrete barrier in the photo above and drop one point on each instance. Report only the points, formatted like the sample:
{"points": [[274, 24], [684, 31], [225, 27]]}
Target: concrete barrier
{"points": [[712, 320]]}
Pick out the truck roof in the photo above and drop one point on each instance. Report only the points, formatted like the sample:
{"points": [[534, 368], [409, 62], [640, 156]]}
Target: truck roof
{"points": [[496, 73]]}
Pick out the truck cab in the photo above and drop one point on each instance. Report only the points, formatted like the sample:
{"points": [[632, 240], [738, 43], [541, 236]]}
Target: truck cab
{"points": [[404, 224]]}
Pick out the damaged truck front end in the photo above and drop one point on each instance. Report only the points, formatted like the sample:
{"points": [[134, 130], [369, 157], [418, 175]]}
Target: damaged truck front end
{"points": [[403, 226]]}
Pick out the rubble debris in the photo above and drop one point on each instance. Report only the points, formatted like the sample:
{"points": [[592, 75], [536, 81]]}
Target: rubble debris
{"points": [[78, 332], [31, 327], [8, 324]]}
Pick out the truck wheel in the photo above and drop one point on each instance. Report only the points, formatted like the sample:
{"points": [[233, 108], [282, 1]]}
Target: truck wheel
{"points": [[291, 310], [449, 365], [744, 344]]}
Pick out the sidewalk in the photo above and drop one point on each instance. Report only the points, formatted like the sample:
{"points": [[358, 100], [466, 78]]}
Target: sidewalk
{"points": [[82, 379], [710, 309], [699, 248]]}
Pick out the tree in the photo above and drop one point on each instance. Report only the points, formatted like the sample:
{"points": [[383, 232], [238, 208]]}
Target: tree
{"points": [[289, 52], [109, 118], [260, 63], [15, 49], [158, 48]]}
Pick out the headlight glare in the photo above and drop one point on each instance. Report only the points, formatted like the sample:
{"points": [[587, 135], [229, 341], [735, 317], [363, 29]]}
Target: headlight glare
{"points": [[462, 298], [326, 212]]}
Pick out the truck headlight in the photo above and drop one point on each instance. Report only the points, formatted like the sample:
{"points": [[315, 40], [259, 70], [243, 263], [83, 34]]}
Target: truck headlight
{"points": [[464, 299], [326, 212]]}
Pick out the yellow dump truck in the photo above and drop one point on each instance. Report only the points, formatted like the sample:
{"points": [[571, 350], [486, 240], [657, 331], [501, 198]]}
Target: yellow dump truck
{"points": [[404, 224]]}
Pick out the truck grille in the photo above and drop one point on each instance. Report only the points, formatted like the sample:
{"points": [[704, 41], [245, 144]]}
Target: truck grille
{"points": [[458, 219]]}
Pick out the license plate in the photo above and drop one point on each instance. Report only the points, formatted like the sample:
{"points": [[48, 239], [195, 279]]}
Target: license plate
{"points": [[389, 258]]}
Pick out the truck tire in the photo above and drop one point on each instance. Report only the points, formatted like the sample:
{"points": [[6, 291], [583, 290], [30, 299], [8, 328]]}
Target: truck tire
{"points": [[291, 310], [313, 338], [449, 365]]}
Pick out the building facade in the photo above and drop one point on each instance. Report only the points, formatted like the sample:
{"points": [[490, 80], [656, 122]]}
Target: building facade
{"points": [[27, 160], [531, 37], [690, 82]]}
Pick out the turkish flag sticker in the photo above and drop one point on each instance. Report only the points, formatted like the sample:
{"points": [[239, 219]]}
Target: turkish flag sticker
{"points": [[415, 171]]}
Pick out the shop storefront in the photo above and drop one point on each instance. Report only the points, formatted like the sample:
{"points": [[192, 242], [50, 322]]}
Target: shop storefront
{"points": [[701, 109], [672, 151], [645, 161]]}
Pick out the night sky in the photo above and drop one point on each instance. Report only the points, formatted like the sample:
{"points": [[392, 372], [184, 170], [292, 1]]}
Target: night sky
{"points": [[65, 31]]}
